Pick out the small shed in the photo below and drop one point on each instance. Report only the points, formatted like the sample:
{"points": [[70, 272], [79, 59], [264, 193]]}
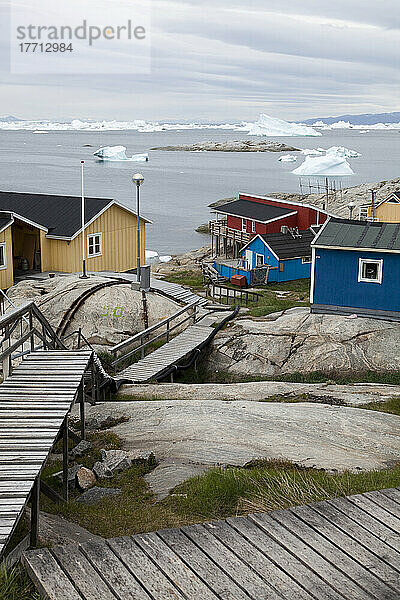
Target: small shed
{"points": [[356, 269], [282, 256]]}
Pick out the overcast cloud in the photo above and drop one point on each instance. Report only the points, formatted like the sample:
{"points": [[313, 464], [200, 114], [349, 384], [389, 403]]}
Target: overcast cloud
{"points": [[230, 60]]}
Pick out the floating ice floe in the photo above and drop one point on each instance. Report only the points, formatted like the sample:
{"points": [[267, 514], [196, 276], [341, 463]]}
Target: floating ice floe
{"points": [[165, 259], [151, 256], [348, 125], [270, 126], [330, 165], [288, 158], [313, 151], [40, 132], [118, 153]]}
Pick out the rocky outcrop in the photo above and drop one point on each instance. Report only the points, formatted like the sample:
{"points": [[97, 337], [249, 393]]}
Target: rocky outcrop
{"points": [[297, 341], [190, 261], [107, 317], [232, 146]]}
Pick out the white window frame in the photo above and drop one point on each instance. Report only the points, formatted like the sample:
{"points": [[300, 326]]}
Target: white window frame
{"points": [[253, 227], [262, 258], [4, 265], [244, 225], [306, 260], [362, 262], [93, 236], [363, 213]]}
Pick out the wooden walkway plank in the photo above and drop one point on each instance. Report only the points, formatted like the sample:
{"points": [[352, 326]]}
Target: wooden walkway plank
{"points": [[257, 561], [376, 511], [358, 532], [86, 579], [351, 546], [33, 407], [144, 569], [202, 563], [119, 578], [174, 568], [385, 502], [48, 576], [349, 566], [312, 558], [285, 559]]}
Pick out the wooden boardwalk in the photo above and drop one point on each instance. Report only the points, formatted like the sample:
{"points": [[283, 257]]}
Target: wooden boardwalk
{"points": [[171, 290], [341, 549], [158, 362], [34, 403]]}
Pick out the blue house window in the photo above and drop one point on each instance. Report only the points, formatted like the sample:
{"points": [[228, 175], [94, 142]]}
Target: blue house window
{"points": [[370, 271]]}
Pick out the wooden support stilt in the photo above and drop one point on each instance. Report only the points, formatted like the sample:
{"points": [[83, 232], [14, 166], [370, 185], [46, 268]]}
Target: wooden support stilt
{"points": [[82, 406], [65, 460], [35, 505]]}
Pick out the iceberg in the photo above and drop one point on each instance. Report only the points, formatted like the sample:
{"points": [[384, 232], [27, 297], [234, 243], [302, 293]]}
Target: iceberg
{"points": [[270, 126], [118, 153], [330, 165], [165, 259], [343, 152], [288, 158], [151, 257]]}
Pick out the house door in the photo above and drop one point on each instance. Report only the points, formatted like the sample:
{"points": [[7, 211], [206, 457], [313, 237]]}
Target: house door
{"points": [[249, 259]]}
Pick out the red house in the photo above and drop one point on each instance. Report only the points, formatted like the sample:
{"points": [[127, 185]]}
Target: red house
{"points": [[250, 215]]}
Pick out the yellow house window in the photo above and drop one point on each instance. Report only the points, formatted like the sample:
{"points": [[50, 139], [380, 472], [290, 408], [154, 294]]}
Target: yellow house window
{"points": [[95, 244], [3, 256]]}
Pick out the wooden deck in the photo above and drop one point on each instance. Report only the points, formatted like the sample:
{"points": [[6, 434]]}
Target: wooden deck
{"points": [[158, 362], [341, 549], [34, 402]]}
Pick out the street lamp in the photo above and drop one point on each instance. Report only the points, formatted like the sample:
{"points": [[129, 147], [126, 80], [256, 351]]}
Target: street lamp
{"points": [[138, 179], [84, 275], [351, 206]]}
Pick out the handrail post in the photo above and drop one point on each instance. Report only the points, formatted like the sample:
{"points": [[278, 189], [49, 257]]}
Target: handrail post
{"points": [[7, 360], [35, 506], [65, 459], [168, 322], [79, 337], [31, 328], [142, 352]]}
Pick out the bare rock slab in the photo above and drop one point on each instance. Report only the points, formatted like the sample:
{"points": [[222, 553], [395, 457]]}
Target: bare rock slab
{"points": [[215, 432], [354, 394], [170, 474], [297, 341], [57, 531]]}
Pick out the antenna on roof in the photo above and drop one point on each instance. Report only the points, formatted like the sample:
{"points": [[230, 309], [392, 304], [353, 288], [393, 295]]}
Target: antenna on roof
{"points": [[84, 275]]}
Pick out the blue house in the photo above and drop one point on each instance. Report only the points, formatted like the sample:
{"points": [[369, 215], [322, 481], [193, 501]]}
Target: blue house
{"points": [[356, 269], [272, 257]]}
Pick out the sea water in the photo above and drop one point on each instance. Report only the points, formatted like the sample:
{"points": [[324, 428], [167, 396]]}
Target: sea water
{"points": [[178, 185]]}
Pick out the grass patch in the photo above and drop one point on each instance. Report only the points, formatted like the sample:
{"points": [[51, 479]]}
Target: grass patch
{"points": [[16, 585], [271, 485], [298, 295], [192, 279], [391, 406]]}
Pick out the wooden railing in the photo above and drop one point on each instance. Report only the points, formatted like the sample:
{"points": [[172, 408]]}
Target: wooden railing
{"points": [[26, 328], [221, 229], [226, 294], [145, 338]]}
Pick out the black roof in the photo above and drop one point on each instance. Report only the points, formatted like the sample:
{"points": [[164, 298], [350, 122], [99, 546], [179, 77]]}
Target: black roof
{"points": [[61, 215], [284, 245], [253, 210], [346, 233], [5, 219]]}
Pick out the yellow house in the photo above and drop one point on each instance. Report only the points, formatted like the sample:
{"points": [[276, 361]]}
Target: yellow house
{"points": [[40, 232], [386, 211]]}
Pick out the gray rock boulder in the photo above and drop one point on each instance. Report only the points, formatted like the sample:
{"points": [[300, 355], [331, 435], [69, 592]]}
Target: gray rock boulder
{"points": [[297, 341], [85, 478], [95, 494], [106, 318], [113, 461], [79, 449]]}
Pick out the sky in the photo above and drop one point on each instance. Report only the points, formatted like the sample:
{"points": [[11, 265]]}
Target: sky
{"points": [[230, 60]]}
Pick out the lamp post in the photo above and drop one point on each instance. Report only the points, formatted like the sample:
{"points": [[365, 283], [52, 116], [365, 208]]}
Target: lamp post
{"points": [[138, 179], [351, 207], [83, 276]]}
